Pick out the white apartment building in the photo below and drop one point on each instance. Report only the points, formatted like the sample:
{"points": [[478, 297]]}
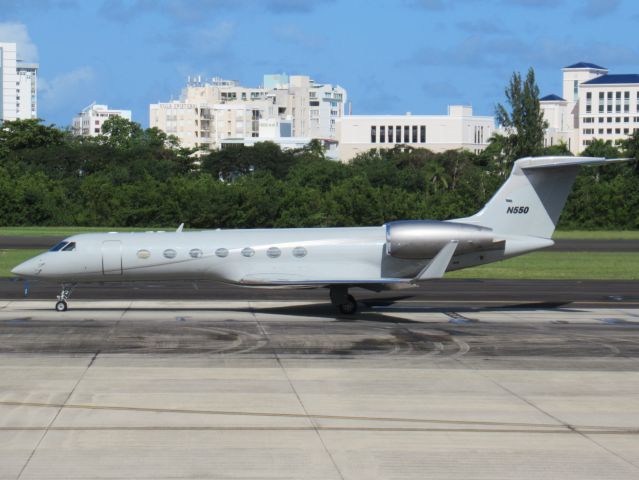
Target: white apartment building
{"points": [[595, 105], [460, 129], [210, 112], [18, 80], [89, 121]]}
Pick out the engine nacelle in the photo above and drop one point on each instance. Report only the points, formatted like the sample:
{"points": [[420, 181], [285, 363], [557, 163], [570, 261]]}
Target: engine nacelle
{"points": [[414, 239]]}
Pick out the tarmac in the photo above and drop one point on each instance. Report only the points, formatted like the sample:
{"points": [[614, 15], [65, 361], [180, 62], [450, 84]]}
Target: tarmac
{"points": [[499, 386]]}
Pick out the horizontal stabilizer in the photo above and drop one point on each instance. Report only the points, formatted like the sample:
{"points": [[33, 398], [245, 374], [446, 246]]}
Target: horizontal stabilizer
{"points": [[438, 265], [556, 162]]}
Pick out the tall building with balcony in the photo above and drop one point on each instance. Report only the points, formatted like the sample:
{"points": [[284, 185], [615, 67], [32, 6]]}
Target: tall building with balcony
{"points": [[89, 121], [212, 112], [18, 81], [594, 105], [460, 129]]}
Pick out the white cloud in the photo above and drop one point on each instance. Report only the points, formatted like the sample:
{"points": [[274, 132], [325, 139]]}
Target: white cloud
{"points": [[16, 32], [63, 89]]}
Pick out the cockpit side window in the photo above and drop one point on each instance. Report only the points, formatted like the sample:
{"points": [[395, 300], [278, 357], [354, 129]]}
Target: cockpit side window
{"points": [[69, 248], [59, 246]]}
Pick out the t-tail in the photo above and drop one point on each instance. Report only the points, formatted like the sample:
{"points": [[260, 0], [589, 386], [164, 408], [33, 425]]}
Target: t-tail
{"points": [[530, 202]]}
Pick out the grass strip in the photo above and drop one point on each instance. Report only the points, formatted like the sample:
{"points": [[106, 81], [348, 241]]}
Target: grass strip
{"points": [[559, 266]]}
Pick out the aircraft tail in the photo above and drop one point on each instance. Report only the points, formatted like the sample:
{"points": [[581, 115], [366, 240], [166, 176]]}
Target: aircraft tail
{"points": [[533, 197]]}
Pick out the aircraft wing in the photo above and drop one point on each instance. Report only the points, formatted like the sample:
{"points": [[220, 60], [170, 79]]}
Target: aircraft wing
{"points": [[436, 268]]}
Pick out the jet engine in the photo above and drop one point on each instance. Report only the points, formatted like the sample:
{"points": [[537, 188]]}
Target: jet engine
{"points": [[415, 239]]}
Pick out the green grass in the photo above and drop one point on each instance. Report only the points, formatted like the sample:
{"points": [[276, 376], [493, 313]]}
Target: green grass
{"points": [[559, 266], [11, 258], [596, 235]]}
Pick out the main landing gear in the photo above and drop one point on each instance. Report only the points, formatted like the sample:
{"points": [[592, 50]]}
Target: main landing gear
{"points": [[61, 304], [342, 300]]}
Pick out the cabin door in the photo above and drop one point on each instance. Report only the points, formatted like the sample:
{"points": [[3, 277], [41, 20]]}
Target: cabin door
{"points": [[112, 257]]}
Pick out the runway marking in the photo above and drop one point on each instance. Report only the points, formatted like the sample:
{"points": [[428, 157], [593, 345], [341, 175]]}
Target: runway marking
{"points": [[322, 428], [633, 429]]}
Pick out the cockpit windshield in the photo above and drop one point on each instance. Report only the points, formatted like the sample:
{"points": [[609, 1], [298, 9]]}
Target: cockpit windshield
{"points": [[63, 246], [69, 248], [59, 246]]}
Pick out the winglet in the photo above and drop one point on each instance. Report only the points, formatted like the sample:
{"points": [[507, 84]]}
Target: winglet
{"points": [[180, 228], [438, 265]]}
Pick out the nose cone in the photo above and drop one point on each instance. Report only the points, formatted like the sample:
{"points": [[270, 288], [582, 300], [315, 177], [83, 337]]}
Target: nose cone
{"points": [[30, 268]]}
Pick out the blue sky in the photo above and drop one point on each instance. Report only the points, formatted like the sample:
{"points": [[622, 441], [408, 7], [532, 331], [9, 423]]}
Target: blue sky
{"points": [[392, 57]]}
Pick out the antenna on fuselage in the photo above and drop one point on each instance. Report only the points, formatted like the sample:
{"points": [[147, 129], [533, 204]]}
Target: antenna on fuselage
{"points": [[180, 228]]}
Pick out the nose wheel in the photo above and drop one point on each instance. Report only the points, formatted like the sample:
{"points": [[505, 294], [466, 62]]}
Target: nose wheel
{"points": [[61, 304]]}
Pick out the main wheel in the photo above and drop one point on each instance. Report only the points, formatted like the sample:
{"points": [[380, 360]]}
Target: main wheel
{"points": [[61, 306], [349, 307]]}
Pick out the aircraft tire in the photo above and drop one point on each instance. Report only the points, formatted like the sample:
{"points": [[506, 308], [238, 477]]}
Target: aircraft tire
{"points": [[350, 307], [61, 306]]}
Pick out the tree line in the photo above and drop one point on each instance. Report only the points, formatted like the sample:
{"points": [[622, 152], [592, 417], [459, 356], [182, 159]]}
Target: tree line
{"points": [[130, 176]]}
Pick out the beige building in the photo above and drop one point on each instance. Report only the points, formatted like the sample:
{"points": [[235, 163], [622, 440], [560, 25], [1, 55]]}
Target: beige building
{"points": [[460, 129], [595, 105], [213, 111]]}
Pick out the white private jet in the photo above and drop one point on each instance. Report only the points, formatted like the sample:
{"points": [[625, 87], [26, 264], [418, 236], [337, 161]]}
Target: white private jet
{"points": [[520, 218]]}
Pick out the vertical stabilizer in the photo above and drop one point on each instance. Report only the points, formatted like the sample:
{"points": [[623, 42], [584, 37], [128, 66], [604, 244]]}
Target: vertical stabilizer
{"points": [[532, 199]]}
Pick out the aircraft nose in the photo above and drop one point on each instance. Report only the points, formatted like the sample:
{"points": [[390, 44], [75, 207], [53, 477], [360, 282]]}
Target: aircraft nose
{"points": [[27, 269]]}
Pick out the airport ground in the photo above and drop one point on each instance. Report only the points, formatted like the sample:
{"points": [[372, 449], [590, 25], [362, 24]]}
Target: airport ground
{"points": [[457, 379]]}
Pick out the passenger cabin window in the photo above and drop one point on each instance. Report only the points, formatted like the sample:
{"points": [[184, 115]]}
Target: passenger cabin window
{"points": [[70, 247]]}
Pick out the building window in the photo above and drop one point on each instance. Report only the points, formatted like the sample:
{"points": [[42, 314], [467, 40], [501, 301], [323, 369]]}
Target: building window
{"points": [[422, 133], [589, 102], [414, 133], [601, 119], [390, 134], [398, 134], [575, 90], [382, 134], [618, 102], [373, 134], [601, 102], [609, 105], [601, 131]]}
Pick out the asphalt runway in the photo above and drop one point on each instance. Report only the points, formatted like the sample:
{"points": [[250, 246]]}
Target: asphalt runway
{"points": [[444, 293], [8, 242]]}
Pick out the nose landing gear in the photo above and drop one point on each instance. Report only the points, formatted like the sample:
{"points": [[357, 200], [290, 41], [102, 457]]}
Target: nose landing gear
{"points": [[61, 304], [342, 300]]}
